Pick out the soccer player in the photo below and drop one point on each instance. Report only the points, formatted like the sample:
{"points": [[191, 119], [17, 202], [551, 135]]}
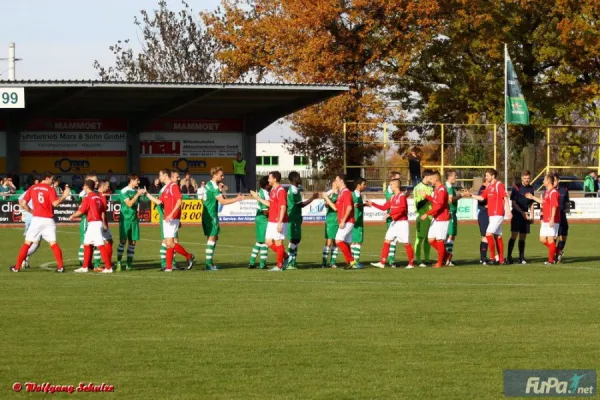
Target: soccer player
{"points": [[44, 201], [522, 214], [103, 190], [440, 211], [497, 203], [83, 226], [388, 195], [163, 177], [278, 219], [422, 225], [331, 228], [261, 220], [358, 230], [294, 210], [453, 198], [210, 213], [483, 220], [27, 217], [398, 230], [550, 217], [171, 198], [564, 202], [345, 210], [129, 223], [94, 208]]}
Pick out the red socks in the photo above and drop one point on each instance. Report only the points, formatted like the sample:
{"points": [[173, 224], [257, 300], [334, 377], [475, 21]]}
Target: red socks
{"points": [[384, 252], [343, 246], [440, 246], [179, 249], [280, 251], [170, 253], [109, 249], [87, 255], [57, 255], [22, 255], [491, 246], [410, 253], [105, 256], [551, 251], [500, 249]]}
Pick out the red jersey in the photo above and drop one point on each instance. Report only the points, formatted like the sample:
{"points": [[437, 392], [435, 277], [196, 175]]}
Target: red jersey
{"points": [[170, 195], [41, 195], [92, 207], [440, 209], [343, 203], [551, 200], [495, 194], [277, 198], [398, 206]]}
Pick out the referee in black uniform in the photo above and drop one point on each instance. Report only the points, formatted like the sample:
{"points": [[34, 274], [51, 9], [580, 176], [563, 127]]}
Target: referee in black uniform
{"points": [[522, 215]]}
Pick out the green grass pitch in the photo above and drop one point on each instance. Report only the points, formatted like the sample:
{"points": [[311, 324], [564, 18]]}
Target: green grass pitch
{"points": [[308, 334]]}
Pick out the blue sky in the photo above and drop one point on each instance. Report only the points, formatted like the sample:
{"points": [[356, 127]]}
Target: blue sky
{"points": [[60, 39]]}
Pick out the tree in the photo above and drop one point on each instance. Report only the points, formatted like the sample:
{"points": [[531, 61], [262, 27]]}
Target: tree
{"points": [[354, 42], [175, 47]]}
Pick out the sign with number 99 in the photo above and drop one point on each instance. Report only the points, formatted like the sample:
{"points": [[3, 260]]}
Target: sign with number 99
{"points": [[12, 98]]}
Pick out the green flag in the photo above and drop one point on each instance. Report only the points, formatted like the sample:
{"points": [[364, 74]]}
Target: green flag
{"points": [[516, 108]]}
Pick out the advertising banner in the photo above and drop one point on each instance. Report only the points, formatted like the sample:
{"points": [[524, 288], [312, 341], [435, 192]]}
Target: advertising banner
{"points": [[2, 150], [191, 211]]}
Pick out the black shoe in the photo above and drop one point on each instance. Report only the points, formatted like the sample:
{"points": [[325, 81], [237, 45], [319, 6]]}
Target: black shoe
{"points": [[251, 266], [60, 270], [13, 269], [191, 262], [508, 261]]}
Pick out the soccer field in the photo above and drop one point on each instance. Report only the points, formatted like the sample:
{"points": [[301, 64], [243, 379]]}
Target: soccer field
{"points": [[313, 333]]}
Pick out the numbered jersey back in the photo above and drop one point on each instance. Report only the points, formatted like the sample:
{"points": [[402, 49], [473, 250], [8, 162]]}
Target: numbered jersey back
{"points": [[42, 196]]}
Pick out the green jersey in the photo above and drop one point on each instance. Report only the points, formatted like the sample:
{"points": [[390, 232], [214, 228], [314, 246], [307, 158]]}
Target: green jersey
{"points": [[129, 214], [358, 208], [211, 204], [420, 199], [388, 196], [260, 207], [451, 192], [294, 208], [331, 216]]}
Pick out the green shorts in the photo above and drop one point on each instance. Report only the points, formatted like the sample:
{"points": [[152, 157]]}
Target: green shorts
{"points": [[453, 226], [357, 234], [261, 228], [210, 225], [129, 231], [331, 230], [294, 230], [82, 229], [422, 227]]}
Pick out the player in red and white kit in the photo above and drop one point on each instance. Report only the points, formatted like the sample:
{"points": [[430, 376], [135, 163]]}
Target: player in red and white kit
{"points": [[440, 211], [277, 219], [94, 208], [550, 217], [103, 191], [399, 229], [497, 206], [171, 200], [44, 199], [345, 211]]}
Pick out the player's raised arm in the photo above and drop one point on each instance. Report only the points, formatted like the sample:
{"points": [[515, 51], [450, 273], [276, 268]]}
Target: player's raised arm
{"points": [[56, 202], [257, 198], [536, 199], [306, 202], [131, 201], [153, 199], [222, 200], [329, 203]]}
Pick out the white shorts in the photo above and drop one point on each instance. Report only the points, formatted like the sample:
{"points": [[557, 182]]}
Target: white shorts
{"points": [[495, 225], [28, 219], [345, 235], [106, 235], [398, 231], [41, 228], [547, 231], [272, 233], [93, 234], [170, 228], [438, 230]]}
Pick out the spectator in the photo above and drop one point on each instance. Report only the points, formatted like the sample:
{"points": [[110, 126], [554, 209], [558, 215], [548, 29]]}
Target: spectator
{"points": [[144, 181], [188, 184], [202, 191], [15, 178], [77, 179], [239, 170], [56, 186], [155, 187], [590, 184], [30, 179], [112, 179], [414, 166], [7, 187]]}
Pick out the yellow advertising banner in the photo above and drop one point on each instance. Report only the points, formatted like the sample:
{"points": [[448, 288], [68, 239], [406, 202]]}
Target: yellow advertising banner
{"points": [[195, 165], [69, 165], [191, 212]]}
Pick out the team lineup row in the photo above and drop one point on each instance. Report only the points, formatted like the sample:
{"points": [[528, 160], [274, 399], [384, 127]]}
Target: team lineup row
{"points": [[279, 215]]}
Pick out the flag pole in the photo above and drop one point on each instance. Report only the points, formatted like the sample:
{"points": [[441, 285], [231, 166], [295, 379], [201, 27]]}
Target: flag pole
{"points": [[505, 116]]}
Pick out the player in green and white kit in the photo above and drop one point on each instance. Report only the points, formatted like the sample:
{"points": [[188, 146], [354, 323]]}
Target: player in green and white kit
{"points": [[129, 224], [394, 175], [210, 213], [83, 227], [453, 198], [422, 245], [260, 221], [358, 229], [331, 227], [294, 210]]}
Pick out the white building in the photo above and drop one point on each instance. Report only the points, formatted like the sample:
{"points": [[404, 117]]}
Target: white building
{"points": [[275, 156]]}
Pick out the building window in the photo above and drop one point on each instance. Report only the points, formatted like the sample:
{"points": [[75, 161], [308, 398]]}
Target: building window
{"points": [[267, 160], [300, 160]]}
